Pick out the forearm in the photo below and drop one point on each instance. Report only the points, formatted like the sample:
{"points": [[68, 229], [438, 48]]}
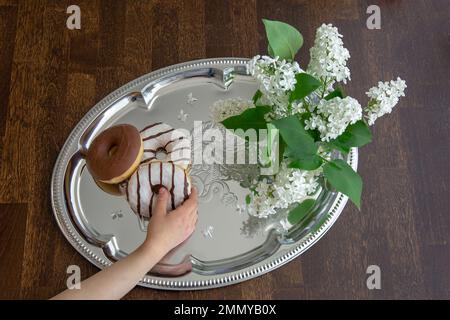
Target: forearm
{"points": [[117, 280], [164, 233]]}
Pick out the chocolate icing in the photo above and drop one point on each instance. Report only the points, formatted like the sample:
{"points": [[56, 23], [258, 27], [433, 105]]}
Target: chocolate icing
{"points": [[151, 126], [160, 137], [113, 152], [158, 134], [142, 201], [150, 208], [172, 195]]}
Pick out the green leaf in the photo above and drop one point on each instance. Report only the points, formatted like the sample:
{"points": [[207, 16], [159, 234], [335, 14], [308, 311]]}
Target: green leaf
{"points": [[356, 135], [272, 141], [248, 199], [309, 163], [299, 143], [270, 51], [281, 149], [252, 118], [337, 93], [317, 225], [256, 96], [344, 179], [305, 85], [314, 133], [271, 135], [284, 40], [299, 212]]}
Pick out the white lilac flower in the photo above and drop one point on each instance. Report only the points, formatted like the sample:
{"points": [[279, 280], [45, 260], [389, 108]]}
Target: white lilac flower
{"points": [[331, 117], [384, 98], [298, 107], [276, 78], [289, 186], [328, 56], [223, 109]]}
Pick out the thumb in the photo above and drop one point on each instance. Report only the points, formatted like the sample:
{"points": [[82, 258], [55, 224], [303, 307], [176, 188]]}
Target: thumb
{"points": [[161, 201]]}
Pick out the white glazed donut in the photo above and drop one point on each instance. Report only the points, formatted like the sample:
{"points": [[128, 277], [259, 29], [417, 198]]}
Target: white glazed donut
{"points": [[162, 142], [143, 186]]}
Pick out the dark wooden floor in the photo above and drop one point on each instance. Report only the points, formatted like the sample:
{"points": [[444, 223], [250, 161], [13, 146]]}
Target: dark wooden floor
{"points": [[51, 76]]}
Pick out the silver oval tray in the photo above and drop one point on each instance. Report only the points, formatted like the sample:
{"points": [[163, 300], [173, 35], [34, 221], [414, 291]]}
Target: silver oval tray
{"points": [[228, 246]]}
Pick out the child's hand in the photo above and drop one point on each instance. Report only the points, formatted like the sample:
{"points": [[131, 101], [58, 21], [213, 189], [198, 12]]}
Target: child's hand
{"points": [[166, 230]]}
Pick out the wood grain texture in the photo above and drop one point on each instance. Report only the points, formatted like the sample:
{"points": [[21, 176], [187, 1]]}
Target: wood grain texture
{"points": [[13, 218], [51, 76]]}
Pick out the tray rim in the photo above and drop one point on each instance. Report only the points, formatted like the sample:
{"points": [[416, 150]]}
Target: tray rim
{"points": [[70, 232]]}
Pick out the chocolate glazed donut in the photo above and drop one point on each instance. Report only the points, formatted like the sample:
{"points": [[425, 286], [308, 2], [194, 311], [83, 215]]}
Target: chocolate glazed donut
{"points": [[115, 154]]}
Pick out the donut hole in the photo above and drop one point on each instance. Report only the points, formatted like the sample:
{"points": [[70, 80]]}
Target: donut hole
{"points": [[112, 150], [161, 154], [156, 188]]}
